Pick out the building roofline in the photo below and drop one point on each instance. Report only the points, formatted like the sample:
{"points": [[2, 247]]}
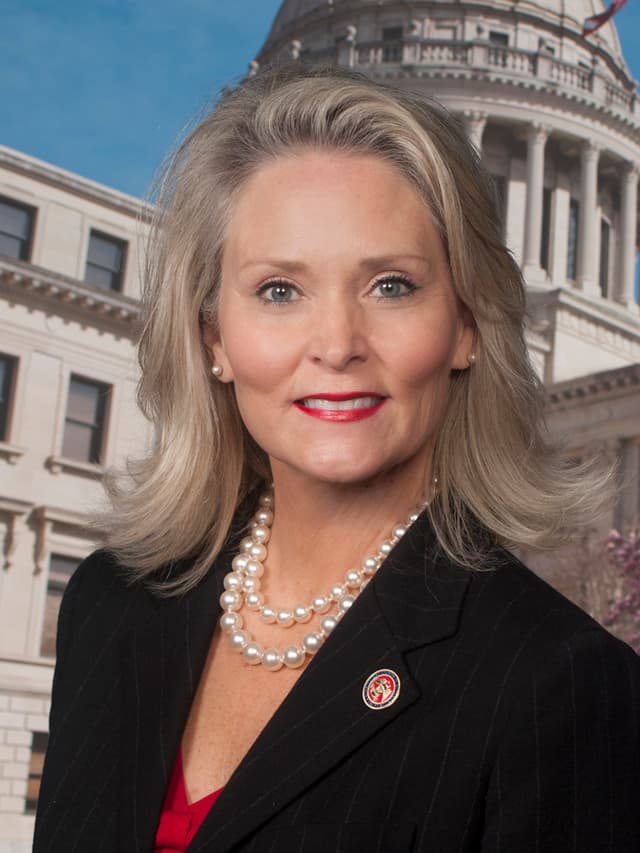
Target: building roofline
{"points": [[25, 164]]}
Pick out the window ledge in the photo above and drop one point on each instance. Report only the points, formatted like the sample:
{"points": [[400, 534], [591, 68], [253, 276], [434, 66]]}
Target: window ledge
{"points": [[58, 464], [11, 452]]}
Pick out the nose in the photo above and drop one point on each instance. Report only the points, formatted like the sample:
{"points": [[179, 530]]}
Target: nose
{"points": [[338, 336]]}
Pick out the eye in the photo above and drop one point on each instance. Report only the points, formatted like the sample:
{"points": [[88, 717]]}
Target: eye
{"points": [[393, 287], [279, 292]]}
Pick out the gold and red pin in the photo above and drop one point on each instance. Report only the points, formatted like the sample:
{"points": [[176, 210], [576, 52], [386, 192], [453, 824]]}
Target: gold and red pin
{"points": [[381, 689]]}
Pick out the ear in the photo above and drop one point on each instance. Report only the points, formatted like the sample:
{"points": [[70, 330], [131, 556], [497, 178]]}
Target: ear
{"points": [[466, 340], [215, 345]]}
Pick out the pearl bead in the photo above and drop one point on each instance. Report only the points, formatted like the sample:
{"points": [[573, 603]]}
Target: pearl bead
{"points": [[239, 562], [321, 604], [242, 587], [385, 548], [293, 657], [312, 642], [272, 659], [345, 602], [284, 618], [257, 552], [251, 584], [239, 640], [370, 565], [328, 624], [302, 613], [261, 533], [254, 600], [233, 580], [254, 569], [252, 653], [268, 614], [231, 599], [264, 516], [231, 622]]}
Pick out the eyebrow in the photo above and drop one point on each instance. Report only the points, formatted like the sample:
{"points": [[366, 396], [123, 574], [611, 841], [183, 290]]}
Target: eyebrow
{"points": [[370, 263]]}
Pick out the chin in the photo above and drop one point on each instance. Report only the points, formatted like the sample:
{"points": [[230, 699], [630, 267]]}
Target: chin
{"points": [[344, 472]]}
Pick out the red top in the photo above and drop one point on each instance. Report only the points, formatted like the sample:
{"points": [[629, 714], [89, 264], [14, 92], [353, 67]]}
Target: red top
{"points": [[179, 819]]}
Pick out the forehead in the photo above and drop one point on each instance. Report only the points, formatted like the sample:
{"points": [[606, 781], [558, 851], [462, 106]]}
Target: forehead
{"points": [[353, 201]]}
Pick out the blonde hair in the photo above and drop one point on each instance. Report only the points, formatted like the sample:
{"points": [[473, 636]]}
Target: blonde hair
{"points": [[492, 459]]}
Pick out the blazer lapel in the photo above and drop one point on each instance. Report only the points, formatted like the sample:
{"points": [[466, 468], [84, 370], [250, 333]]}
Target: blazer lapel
{"points": [[415, 599], [162, 665]]}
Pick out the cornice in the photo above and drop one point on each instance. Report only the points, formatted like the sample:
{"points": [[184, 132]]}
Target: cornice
{"points": [[105, 196], [603, 313], [593, 385], [66, 517], [505, 67], [69, 297]]}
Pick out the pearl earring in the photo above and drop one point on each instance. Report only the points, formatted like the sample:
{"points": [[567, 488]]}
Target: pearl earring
{"points": [[216, 369], [471, 358]]}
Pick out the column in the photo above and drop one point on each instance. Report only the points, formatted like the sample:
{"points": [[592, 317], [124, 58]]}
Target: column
{"points": [[475, 123], [536, 141], [628, 211], [347, 47], [587, 278]]}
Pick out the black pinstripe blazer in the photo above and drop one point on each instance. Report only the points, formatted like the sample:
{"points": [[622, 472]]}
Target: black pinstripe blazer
{"points": [[516, 728]]}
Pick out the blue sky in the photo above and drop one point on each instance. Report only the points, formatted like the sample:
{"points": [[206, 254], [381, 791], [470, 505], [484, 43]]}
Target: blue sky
{"points": [[104, 87]]}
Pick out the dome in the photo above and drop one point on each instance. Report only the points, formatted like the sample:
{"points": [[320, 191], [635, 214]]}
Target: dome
{"points": [[564, 17]]}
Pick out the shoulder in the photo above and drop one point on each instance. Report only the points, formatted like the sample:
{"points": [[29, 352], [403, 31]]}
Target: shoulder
{"points": [[99, 594], [537, 627]]}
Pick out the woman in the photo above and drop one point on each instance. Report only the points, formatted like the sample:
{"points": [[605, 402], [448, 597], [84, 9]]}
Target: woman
{"points": [[306, 633]]}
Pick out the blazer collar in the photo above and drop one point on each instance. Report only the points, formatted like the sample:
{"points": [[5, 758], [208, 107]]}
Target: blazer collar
{"points": [[419, 590], [415, 599]]}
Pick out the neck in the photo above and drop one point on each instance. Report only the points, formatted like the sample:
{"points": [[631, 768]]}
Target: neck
{"points": [[322, 529]]}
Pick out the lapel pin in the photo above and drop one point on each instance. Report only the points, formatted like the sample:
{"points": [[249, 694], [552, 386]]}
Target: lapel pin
{"points": [[381, 689]]}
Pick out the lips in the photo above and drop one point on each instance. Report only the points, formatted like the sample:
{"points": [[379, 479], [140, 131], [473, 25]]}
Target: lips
{"points": [[341, 407]]}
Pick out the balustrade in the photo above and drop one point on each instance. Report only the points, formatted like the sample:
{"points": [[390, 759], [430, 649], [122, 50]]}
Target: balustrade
{"points": [[482, 55]]}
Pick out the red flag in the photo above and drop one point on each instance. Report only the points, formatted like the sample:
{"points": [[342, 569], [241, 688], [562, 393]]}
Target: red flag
{"points": [[596, 21]]}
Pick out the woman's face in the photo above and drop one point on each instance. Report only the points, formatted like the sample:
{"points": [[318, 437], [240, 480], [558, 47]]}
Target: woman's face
{"points": [[337, 322]]}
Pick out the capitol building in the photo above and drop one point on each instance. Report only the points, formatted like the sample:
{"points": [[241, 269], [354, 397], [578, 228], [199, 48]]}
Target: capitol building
{"points": [[556, 119]]}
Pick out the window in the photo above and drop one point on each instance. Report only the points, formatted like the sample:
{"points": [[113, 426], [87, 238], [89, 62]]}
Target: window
{"points": [[85, 420], [572, 242], [499, 39], [16, 227], [545, 240], [7, 373], [105, 261], [38, 749], [392, 44], [605, 247], [60, 570]]}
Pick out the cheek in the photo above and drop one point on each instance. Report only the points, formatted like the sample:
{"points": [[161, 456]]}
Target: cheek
{"points": [[262, 371], [424, 360]]}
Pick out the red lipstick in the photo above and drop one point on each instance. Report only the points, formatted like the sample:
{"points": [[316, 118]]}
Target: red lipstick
{"points": [[341, 408]]}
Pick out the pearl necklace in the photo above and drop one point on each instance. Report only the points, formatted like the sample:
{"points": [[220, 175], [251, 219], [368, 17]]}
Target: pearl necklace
{"points": [[242, 588]]}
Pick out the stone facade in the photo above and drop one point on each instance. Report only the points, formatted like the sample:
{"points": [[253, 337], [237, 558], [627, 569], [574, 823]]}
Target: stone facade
{"points": [[61, 336]]}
